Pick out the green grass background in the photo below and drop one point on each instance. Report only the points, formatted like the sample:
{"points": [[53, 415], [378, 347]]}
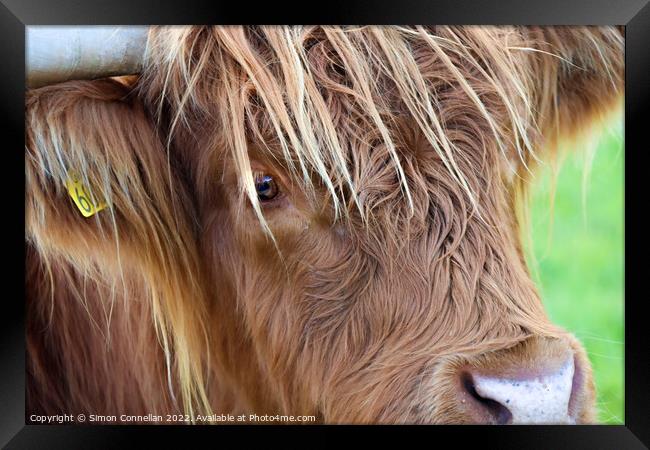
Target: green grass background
{"points": [[578, 248]]}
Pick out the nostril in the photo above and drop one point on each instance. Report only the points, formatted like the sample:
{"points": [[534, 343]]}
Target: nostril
{"points": [[484, 410], [577, 384]]}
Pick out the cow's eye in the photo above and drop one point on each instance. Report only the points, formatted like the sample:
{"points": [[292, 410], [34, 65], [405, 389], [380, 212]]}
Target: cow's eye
{"points": [[266, 187]]}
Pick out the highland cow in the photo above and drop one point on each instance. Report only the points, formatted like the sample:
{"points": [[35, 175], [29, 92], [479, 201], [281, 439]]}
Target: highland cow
{"points": [[312, 220]]}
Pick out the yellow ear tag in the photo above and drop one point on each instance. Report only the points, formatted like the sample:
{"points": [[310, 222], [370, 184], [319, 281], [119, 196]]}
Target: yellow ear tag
{"points": [[79, 194]]}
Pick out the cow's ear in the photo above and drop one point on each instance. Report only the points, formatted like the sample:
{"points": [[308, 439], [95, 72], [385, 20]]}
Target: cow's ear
{"points": [[104, 199], [97, 175], [579, 73]]}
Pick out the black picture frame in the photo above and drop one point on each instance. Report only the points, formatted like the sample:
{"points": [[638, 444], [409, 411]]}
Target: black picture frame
{"points": [[15, 15]]}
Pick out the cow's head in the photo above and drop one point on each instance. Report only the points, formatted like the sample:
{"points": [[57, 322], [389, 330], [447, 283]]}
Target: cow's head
{"points": [[354, 197]]}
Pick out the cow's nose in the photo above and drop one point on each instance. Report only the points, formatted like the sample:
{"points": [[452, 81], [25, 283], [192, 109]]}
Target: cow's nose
{"points": [[540, 397]]}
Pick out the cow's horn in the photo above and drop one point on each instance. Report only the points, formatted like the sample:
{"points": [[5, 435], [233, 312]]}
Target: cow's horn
{"points": [[60, 53]]}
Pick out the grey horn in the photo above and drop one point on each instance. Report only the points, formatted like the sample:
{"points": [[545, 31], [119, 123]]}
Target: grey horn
{"points": [[59, 53]]}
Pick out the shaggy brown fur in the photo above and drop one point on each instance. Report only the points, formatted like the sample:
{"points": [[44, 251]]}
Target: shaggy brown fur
{"points": [[391, 259]]}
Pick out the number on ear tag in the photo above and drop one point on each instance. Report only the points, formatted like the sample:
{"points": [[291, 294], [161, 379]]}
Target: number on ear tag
{"points": [[81, 198]]}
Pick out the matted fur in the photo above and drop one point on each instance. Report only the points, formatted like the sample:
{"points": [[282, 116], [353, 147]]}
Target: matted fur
{"points": [[392, 257]]}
